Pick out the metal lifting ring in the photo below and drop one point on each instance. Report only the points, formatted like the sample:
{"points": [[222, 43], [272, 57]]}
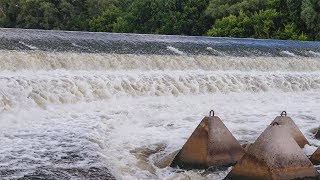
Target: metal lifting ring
{"points": [[211, 113], [284, 113], [275, 123]]}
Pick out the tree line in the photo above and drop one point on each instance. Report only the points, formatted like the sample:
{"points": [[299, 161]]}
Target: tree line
{"points": [[278, 19]]}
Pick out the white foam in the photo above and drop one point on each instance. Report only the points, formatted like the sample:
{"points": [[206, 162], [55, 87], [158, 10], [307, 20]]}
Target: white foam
{"points": [[75, 45], [78, 110], [28, 45], [315, 54], [115, 127], [175, 50], [34, 61], [309, 150], [287, 53], [23, 89], [216, 51]]}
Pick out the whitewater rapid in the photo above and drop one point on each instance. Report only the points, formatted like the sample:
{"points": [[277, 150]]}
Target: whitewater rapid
{"points": [[68, 113], [36, 78], [128, 135], [48, 61]]}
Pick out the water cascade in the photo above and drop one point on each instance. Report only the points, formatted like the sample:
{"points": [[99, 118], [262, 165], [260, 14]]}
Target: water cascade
{"points": [[88, 105]]}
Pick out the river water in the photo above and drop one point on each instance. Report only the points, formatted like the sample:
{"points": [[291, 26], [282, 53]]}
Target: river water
{"points": [[99, 105]]}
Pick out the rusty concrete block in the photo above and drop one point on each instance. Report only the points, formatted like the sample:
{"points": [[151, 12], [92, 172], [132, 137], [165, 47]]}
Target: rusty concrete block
{"points": [[292, 128], [211, 144], [274, 155]]}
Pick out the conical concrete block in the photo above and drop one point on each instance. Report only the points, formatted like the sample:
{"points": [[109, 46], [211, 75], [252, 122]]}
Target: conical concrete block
{"points": [[211, 144], [246, 146], [166, 160], [315, 158], [274, 155], [318, 134], [292, 128]]}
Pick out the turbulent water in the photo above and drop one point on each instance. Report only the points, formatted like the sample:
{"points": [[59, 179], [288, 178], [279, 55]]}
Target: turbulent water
{"points": [[87, 105]]}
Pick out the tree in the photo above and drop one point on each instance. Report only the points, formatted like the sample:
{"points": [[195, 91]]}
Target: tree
{"points": [[231, 26], [97, 7], [168, 16], [281, 19], [310, 14], [263, 23], [258, 25], [291, 32], [193, 18], [218, 9], [284, 19], [9, 9], [37, 14], [121, 25], [106, 21]]}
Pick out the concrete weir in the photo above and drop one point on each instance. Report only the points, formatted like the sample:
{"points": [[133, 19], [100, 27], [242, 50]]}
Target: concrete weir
{"points": [[210, 145], [274, 155], [293, 129]]}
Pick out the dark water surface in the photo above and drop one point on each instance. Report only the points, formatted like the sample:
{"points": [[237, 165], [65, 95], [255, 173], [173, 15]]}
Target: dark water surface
{"points": [[62, 41]]}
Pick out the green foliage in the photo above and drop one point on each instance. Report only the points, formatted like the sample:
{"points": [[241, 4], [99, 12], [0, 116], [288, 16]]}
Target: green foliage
{"points": [[231, 26], [258, 25], [262, 23], [291, 32], [121, 26], [96, 7], [106, 21], [218, 8], [45, 14], [193, 19], [310, 14], [282, 19], [8, 13], [165, 17], [37, 14]]}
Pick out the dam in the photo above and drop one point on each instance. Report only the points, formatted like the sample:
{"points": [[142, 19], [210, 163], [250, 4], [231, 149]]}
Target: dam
{"points": [[103, 105]]}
